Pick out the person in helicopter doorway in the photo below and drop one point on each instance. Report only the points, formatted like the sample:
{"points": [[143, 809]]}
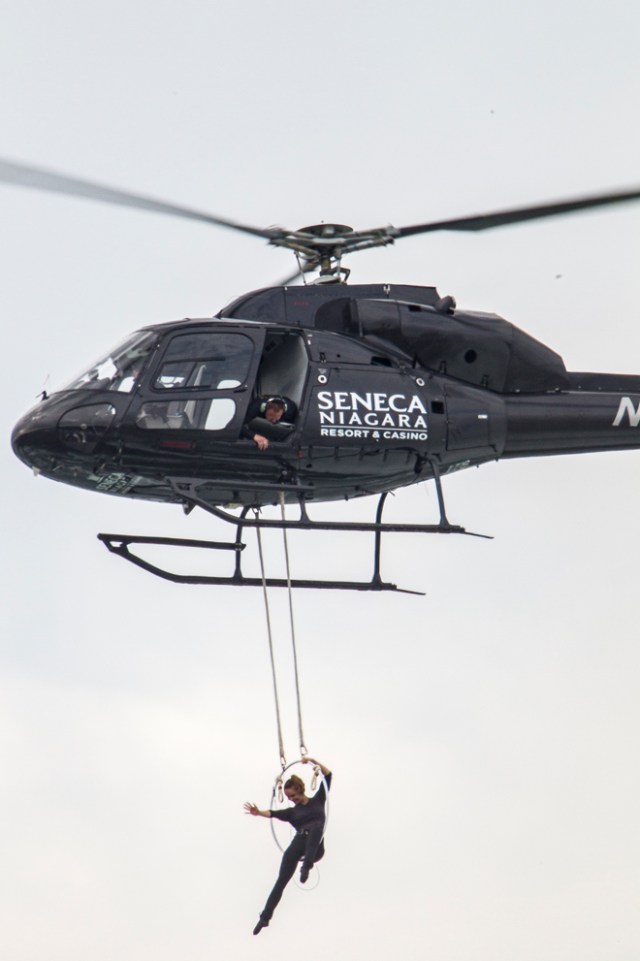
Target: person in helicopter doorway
{"points": [[307, 816], [274, 409]]}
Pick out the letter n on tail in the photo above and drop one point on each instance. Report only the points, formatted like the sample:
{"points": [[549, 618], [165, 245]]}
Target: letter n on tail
{"points": [[626, 407]]}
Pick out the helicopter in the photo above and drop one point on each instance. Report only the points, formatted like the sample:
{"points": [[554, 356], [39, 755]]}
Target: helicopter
{"points": [[382, 386]]}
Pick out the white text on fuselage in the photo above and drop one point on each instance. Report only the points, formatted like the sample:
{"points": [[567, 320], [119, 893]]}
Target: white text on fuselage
{"points": [[626, 407], [372, 415]]}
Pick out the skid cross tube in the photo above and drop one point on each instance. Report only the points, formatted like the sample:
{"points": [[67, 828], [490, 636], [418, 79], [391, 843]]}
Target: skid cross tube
{"points": [[188, 490]]}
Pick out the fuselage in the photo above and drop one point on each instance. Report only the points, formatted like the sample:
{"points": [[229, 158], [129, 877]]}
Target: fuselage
{"points": [[387, 386]]}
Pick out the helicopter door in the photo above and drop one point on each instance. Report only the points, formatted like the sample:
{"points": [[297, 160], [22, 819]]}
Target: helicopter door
{"points": [[282, 374], [201, 382], [283, 367]]}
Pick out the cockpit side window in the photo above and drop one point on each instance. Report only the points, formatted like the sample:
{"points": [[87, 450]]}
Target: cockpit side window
{"points": [[205, 361]]}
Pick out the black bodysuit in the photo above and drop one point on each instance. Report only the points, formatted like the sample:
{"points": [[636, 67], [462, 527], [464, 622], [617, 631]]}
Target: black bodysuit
{"points": [[307, 844]]}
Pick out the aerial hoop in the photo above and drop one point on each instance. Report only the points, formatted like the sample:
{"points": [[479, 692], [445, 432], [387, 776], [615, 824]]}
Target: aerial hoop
{"points": [[278, 800]]}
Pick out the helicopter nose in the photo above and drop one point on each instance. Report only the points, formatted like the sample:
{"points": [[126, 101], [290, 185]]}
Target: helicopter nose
{"points": [[60, 425], [32, 435]]}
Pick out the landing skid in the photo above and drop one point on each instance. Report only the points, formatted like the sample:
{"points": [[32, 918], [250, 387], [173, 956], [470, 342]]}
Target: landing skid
{"points": [[188, 490]]}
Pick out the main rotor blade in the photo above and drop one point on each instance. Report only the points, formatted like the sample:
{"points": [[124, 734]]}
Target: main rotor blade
{"points": [[39, 179], [519, 215]]}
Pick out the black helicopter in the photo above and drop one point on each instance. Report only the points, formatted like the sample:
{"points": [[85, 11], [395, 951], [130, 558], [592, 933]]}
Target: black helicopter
{"points": [[384, 385]]}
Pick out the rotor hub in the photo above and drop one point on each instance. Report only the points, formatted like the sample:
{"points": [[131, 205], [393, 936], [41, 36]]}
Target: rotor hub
{"points": [[327, 231]]}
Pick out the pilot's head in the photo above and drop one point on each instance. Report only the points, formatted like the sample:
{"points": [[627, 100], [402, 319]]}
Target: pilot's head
{"points": [[274, 409]]}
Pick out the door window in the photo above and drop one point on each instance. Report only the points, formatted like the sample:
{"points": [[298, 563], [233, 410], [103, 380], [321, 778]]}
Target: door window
{"points": [[205, 361], [196, 363]]}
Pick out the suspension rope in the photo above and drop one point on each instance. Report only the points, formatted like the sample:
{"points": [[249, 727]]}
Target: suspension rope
{"points": [[303, 749], [283, 760]]}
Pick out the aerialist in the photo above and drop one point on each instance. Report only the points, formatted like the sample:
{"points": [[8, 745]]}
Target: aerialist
{"points": [[307, 816]]}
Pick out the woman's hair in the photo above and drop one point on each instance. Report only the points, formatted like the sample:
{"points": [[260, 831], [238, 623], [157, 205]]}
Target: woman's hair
{"points": [[297, 782]]}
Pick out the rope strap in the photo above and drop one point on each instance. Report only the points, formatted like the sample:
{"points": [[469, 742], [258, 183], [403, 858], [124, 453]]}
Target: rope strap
{"points": [[303, 749], [283, 760], [301, 738]]}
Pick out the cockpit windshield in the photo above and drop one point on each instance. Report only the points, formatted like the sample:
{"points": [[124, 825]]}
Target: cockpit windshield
{"points": [[121, 368]]}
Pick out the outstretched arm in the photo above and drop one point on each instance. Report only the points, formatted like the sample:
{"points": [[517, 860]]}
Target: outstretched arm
{"points": [[311, 760], [254, 810]]}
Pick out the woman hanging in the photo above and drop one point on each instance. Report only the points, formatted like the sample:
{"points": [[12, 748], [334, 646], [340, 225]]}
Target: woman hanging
{"points": [[307, 816]]}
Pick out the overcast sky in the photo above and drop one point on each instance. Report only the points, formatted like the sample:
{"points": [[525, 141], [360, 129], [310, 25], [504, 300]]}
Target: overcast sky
{"points": [[484, 738]]}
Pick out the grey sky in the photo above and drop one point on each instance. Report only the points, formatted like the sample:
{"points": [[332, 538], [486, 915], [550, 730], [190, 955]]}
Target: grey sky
{"points": [[484, 738]]}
